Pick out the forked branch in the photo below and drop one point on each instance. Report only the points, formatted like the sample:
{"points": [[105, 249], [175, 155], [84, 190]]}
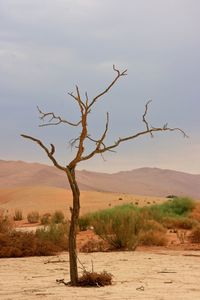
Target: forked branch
{"points": [[149, 130], [119, 74], [53, 119], [49, 153]]}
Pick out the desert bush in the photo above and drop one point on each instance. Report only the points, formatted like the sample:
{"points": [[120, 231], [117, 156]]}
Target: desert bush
{"points": [[55, 233], [6, 225], [19, 244], [58, 217], [195, 214], [18, 216], [152, 225], [94, 245], [45, 219], [33, 217], [152, 233], [120, 229], [95, 279], [194, 236], [179, 222], [153, 238]]}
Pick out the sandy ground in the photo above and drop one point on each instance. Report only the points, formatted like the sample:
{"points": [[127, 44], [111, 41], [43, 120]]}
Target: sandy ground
{"points": [[156, 275], [48, 199]]}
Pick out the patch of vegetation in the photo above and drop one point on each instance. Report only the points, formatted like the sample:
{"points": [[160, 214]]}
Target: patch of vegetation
{"points": [[18, 244], [119, 227], [33, 217], [195, 235], [95, 279], [18, 216], [6, 225], [55, 233], [58, 217], [45, 219], [126, 226]]}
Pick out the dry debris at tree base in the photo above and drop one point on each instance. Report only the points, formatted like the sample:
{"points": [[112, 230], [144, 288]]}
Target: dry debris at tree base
{"points": [[91, 279]]}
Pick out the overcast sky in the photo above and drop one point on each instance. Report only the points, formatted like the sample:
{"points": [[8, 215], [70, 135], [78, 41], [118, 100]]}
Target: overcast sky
{"points": [[46, 47]]}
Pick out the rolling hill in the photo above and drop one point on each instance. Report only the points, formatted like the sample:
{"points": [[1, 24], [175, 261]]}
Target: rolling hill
{"points": [[143, 181]]}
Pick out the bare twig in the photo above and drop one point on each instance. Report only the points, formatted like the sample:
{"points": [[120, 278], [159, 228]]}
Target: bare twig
{"points": [[144, 116], [57, 119], [119, 74]]}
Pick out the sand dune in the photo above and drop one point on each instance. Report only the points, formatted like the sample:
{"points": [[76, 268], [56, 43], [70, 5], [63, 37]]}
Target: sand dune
{"points": [[49, 199], [144, 181]]}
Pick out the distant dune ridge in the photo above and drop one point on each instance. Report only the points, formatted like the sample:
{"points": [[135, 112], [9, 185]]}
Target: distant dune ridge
{"points": [[143, 181]]}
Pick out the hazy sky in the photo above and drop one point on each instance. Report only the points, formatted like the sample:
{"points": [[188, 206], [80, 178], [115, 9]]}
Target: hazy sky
{"points": [[46, 47]]}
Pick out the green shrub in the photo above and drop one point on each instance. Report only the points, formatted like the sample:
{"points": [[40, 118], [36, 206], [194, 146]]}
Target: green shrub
{"points": [[18, 216], [169, 211], [180, 206], [58, 217], [120, 229], [85, 221], [56, 233], [33, 217]]}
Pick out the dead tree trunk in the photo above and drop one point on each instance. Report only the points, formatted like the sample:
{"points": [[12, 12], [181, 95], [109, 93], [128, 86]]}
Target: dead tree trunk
{"points": [[75, 209]]}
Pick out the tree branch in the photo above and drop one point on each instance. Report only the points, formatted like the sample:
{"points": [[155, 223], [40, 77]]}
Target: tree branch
{"points": [[119, 74], [148, 131], [144, 116], [48, 152], [52, 116]]}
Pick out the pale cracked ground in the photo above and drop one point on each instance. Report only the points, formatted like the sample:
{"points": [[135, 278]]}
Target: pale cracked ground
{"points": [[171, 275]]}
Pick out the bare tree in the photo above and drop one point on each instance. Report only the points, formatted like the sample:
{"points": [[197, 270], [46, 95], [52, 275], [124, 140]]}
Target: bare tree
{"points": [[99, 147]]}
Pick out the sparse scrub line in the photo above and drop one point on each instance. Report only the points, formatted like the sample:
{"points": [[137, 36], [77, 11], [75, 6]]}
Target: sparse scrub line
{"points": [[122, 227], [46, 241], [127, 226], [45, 219]]}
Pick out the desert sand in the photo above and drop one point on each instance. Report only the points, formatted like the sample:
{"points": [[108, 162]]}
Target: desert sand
{"points": [[49, 199], [153, 275]]}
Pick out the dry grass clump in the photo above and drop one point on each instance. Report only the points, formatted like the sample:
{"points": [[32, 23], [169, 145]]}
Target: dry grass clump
{"points": [[19, 244], [18, 216], [95, 279], [6, 224], [45, 219], [179, 222], [194, 236], [58, 217], [33, 217], [153, 238], [94, 245], [153, 234], [195, 214]]}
